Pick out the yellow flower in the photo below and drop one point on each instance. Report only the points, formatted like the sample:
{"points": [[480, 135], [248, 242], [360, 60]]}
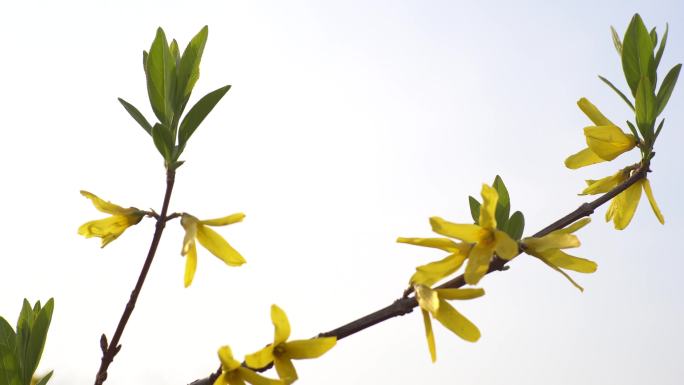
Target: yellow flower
{"points": [[485, 236], [109, 228], [548, 250], [433, 272], [212, 241], [605, 141], [622, 207], [433, 302], [233, 373], [281, 352]]}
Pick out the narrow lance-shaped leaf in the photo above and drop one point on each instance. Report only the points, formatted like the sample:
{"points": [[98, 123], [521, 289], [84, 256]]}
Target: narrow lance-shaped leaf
{"points": [[623, 96], [160, 70], [198, 112], [137, 116], [633, 129], [503, 206], [474, 209], [616, 40], [37, 339], [175, 52], [637, 53], [661, 49], [666, 88], [188, 71], [645, 108], [654, 37], [660, 127], [44, 380]]}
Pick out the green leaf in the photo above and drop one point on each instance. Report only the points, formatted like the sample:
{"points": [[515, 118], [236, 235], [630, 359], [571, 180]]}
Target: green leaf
{"points": [[137, 116], [45, 379], [145, 55], [637, 54], [666, 88], [661, 49], [188, 71], [175, 53], [633, 129], [161, 135], [623, 96], [503, 206], [660, 127], [654, 37], [9, 365], [198, 112], [645, 108], [160, 69], [474, 209], [616, 40], [36, 343], [516, 225]]}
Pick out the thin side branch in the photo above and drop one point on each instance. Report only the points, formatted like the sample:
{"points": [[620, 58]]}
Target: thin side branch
{"points": [[406, 304], [109, 350]]}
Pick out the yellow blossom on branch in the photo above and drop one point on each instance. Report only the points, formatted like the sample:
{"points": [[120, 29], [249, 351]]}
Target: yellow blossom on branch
{"points": [[434, 302], [433, 272], [233, 373], [624, 205], [605, 141], [486, 237], [212, 241], [548, 250], [112, 227], [281, 352]]}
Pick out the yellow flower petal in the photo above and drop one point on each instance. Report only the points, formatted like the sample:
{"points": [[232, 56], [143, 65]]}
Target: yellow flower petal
{"points": [[286, 370], [433, 272], [652, 201], [104, 206], [190, 264], [254, 378], [429, 335], [624, 205], [230, 219], [305, 349], [488, 208], [575, 226], [281, 324], [505, 247], [222, 380], [583, 158], [228, 363], [456, 322], [428, 299], [606, 184], [437, 243], [552, 241], [109, 228], [478, 264], [218, 246], [566, 261], [189, 223], [593, 113], [608, 141], [466, 233], [459, 293], [260, 359]]}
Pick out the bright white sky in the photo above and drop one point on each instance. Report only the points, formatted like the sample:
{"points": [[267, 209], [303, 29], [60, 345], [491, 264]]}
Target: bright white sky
{"points": [[348, 124]]}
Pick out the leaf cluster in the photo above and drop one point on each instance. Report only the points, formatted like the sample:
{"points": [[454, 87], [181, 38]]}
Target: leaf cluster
{"points": [[171, 78], [513, 225], [20, 351]]}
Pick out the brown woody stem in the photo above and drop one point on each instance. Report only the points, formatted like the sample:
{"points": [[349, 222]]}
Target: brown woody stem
{"points": [[109, 350]]}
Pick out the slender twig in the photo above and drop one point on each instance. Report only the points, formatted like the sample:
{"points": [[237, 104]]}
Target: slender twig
{"points": [[109, 350], [406, 304]]}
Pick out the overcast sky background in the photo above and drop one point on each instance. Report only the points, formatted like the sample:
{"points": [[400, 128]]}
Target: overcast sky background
{"points": [[348, 124]]}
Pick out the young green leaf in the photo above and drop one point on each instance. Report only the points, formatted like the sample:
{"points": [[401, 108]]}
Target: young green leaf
{"points": [[623, 96], [44, 380], [175, 53], [474, 209], [645, 108], [36, 343], [661, 49], [137, 116], [660, 127], [616, 41], [145, 55], [654, 37], [516, 225], [160, 70], [503, 206], [637, 53], [632, 129], [161, 135], [666, 88], [188, 71], [198, 112]]}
